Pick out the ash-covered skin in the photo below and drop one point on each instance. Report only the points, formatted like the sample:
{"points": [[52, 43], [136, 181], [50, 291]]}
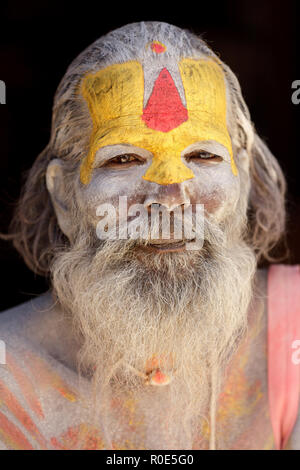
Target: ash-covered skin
{"points": [[214, 184]]}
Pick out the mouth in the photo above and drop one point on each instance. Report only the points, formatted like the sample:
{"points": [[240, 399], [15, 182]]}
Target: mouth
{"points": [[166, 246]]}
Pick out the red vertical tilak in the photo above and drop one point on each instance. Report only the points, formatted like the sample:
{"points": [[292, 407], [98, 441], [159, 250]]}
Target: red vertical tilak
{"points": [[164, 110]]}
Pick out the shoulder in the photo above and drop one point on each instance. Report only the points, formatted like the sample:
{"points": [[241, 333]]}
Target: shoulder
{"points": [[38, 393], [18, 319]]}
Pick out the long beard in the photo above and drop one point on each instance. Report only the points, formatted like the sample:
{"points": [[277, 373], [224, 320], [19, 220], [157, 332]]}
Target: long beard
{"points": [[186, 312]]}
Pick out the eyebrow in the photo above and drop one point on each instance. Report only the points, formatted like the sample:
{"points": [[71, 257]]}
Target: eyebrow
{"points": [[210, 146], [99, 158], [106, 153], [110, 151]]}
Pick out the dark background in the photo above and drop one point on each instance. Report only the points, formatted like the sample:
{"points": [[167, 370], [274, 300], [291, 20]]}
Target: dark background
{"points": [[39, 39]]}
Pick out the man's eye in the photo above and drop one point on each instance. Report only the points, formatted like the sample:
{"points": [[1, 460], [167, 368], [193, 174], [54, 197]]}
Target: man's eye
{"points": [[122, 160], [202, 156]]}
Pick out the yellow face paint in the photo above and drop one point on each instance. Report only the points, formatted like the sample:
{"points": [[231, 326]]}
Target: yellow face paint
{"points": [[165, 127]]}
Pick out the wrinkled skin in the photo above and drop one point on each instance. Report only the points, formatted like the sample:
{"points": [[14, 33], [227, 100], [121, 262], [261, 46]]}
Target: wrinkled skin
{"points": [[214, 184]]}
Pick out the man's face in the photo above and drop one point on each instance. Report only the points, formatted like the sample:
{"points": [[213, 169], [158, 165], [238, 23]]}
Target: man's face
{"points": [[171, 147]]}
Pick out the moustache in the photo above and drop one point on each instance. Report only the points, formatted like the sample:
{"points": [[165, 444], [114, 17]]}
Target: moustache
{"points": [[158, 225]]}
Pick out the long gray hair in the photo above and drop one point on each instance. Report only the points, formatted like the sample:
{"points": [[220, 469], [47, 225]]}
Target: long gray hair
{"points": [[34, 229]]}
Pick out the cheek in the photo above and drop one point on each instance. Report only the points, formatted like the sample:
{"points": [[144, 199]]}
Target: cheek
{"points": [[224, 202], [107, 189], [212, 202], [219, 196]]}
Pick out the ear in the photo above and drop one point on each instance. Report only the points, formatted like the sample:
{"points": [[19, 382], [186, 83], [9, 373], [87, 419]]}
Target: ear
{"points": [[55, 182]]}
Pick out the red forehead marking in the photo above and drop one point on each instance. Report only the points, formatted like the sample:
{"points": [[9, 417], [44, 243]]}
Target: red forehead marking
{"points": [[164, 110], [157, 47]]}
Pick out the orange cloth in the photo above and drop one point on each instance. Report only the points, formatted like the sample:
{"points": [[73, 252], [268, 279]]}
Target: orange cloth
{"points": [[283, 331]]}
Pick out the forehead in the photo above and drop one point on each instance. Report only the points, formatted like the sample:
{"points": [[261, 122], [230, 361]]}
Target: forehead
{"points": [[164, 107]]}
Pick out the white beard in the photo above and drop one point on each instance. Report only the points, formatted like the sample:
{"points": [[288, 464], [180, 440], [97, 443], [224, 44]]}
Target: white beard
{"points": [[189, 306]]}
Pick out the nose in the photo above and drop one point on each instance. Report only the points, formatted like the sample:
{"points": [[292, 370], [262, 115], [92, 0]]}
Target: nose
{"points": [[169, 196]]}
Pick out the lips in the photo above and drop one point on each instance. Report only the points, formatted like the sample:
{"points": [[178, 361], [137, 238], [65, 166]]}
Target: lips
{"points": [[161, 244], [165, 245]]}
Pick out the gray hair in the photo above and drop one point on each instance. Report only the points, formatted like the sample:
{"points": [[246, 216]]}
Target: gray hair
{"points": [[35, 231]]}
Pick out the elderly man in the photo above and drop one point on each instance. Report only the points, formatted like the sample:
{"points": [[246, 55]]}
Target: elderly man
{"points": [[152, 342]]}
